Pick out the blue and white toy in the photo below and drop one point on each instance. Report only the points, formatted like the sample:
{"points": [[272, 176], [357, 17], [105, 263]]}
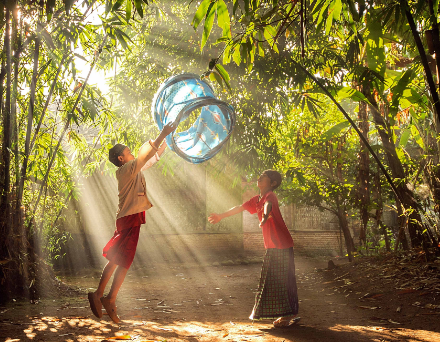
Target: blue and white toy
{"points": [[176, 99]]}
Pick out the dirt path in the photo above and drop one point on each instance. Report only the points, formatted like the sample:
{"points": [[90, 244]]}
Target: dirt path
{"points": [[211, 303]]}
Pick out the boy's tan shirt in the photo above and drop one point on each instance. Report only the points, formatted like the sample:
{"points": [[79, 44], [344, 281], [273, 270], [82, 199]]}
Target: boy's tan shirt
{"points": [[132, 190]]}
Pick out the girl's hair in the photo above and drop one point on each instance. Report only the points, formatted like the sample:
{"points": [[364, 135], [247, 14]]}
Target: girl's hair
{"points": [[274, 176]]}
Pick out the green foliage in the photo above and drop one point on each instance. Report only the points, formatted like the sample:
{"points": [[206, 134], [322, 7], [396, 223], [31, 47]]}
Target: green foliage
{"points": [[284, 121], [75, 138], [362, 51]]}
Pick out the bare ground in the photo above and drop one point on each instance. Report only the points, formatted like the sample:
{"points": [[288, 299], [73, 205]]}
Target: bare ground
{"points": [[189, 302]]}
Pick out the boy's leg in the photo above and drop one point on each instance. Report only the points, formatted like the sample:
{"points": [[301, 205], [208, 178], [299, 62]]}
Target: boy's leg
{"points": [[107, 273], [120, 274], [94, 297], [109, 301]]}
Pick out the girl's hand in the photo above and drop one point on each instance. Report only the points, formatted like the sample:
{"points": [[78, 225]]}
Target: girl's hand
{"points": [[214, 218], [262, 223]]}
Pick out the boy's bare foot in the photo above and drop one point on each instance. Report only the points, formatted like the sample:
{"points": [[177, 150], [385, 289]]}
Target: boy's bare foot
{"points": [[110, 307], [284, 322], [95, 304]]}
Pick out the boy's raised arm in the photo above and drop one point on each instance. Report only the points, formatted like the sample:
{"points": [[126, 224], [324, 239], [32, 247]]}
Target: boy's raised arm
{"points": [[150, 148], [162, 148], [215, 218], [155, 157]]}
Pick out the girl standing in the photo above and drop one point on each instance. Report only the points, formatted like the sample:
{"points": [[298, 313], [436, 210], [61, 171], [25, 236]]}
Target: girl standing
{"points": [[277, 296]]}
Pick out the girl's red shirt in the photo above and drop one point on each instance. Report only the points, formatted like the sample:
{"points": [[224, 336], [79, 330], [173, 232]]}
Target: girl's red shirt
{"points": [[275, 232]]}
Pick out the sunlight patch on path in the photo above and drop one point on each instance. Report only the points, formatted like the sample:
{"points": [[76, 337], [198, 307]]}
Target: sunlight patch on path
{"points": [[81, 329], [389, 333]]}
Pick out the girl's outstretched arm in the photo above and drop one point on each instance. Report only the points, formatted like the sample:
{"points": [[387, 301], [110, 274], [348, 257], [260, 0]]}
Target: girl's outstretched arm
{"points": [[215, 218]]}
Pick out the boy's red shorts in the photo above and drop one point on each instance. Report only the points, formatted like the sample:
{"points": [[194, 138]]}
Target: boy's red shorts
{"points": [[122, 246]]}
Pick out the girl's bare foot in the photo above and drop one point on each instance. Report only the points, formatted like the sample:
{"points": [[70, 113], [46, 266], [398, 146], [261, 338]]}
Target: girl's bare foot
{"points": [[283, 322], [110, 307]]}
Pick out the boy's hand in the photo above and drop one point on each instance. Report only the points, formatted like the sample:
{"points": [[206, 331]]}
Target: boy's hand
{"points": [[168, 128], [214, 218]]}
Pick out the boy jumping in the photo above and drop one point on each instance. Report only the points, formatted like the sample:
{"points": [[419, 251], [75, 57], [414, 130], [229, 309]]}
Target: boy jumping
{"points": [[133, 202]]}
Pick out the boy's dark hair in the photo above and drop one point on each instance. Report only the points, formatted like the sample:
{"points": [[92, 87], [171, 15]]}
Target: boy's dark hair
{"points": [[274, 176], [115, 152]]}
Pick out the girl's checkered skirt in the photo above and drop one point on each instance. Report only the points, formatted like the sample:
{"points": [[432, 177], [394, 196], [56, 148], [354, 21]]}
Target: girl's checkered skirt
{"points": [[277, 294]]}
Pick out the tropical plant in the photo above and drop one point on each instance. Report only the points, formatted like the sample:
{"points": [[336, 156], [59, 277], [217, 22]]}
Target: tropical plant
{"points": [[47, 107], [341, 43]]}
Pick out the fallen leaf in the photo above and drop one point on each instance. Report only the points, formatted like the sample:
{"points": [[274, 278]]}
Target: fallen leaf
{"points": [[432, 306], [255, 333], [166, 329], [377, 295], [369, 307], [393, 322], [405, 291], [122, 337], [225, 334]]}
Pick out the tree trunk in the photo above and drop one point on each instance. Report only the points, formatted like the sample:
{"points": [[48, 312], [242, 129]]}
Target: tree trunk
{"points": [[17, 50], [406, 196], [364, 173], [379, 211], [2, 79], [5, 224], [343, 223], [6, 145], [401, 237], [342, 212], [3, 240], [436, 44], [424, 59], [30, 119]]}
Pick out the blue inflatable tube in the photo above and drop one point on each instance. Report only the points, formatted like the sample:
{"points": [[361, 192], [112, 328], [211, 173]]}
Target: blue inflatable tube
{"points": [[176, 99]]}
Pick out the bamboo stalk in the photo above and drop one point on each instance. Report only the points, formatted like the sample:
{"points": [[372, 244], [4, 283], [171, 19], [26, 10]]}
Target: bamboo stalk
{"points": [[49, 97], [17, 42], [66, 126], [6, 147], [30, 118], [424, 59]]}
